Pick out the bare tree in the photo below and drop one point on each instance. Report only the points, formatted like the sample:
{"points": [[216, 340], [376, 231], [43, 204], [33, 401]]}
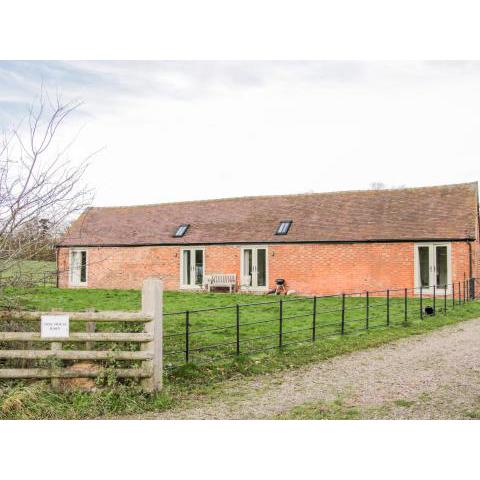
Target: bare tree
{"points": [[383, 186], [377, 186], [40, 185]]}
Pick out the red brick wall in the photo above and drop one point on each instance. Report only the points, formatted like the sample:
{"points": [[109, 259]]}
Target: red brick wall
{"points": [[460, 261], [334, 268], [109, 267], [307, 268]]}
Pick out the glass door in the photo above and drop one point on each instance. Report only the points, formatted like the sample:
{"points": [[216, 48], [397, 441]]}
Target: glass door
{"points": [[261, 268], [78, 267], [198, 277], [192, 268], [247, 268], [441, 266], [433, 267], [424, 266], [254, 268]]}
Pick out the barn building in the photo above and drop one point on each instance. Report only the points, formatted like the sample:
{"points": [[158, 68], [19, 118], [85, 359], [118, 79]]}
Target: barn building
{"points": [[321, 243]]}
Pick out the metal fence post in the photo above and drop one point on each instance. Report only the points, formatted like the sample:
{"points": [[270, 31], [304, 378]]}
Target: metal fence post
{"points": [[464, 293], [406, 306], [459, 294], [453, 295], [314, 321], [343, 313], [445, 300], [238, 328], [187, 336], [280, 336], [434, 298], [421, 303], [388, 307], [367, 310]]}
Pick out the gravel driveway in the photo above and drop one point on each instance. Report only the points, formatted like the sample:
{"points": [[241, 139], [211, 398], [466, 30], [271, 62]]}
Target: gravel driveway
{"points": [[432, 376]]}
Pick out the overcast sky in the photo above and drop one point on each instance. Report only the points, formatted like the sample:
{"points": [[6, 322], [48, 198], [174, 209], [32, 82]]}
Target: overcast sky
{"points": [[195, 130]]}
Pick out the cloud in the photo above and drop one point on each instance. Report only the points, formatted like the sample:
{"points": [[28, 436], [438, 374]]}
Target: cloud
{"points": [[178, 130], [106, 84]]}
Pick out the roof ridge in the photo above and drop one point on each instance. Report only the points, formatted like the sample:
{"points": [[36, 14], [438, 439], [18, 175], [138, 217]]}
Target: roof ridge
{"points": [[253, 197]]}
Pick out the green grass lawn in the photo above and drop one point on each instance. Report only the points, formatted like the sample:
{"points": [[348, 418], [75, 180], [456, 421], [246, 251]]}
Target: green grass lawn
{"points": [[212, 342], [213, 333]]}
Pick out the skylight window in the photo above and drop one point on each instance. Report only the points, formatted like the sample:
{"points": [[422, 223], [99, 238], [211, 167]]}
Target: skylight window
{"points": [[283, 227], [181, 230]]}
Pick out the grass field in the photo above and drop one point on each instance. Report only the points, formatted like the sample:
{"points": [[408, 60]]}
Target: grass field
{"points": [[29, 273], [31, 266], [263, 323], [214, 332], [259, 334]]}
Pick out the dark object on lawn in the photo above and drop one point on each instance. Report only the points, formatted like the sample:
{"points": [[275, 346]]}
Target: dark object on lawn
{"points": [[429, 310], [280, 281]]}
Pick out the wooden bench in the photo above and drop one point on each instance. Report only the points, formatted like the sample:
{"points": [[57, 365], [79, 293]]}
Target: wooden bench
{"points": [[221, 280]]}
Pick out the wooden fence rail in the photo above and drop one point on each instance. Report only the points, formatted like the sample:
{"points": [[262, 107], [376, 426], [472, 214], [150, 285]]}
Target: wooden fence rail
{"points": [[150, 342], [113, 316]]}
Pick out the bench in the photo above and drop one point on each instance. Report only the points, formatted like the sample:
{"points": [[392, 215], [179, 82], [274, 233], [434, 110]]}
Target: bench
{"points": [[221, 280]]}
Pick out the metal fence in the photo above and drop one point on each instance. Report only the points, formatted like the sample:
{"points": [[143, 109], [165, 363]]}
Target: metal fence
{"points": [[211, 334]]}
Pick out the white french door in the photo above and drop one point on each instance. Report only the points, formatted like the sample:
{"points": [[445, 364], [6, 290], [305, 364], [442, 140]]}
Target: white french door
{"points": [[433, 266], [254, 268], [78, 267], [192, 267]]}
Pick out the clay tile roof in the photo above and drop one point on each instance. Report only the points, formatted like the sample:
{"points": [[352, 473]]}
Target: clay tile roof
{"points": [[426, 213]]}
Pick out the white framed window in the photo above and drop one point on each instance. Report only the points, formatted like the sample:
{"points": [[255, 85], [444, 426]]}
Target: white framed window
{"points": [[254, 268], [433, 266], [192, 267], [78, 267]]}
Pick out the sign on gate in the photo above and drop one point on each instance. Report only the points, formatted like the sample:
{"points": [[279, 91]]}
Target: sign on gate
{"points": [[55, 326]]}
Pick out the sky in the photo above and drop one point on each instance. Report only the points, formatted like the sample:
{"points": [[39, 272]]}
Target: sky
{"points": [[176, 131]]}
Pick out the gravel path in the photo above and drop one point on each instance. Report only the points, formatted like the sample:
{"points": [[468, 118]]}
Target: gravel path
{"points": [[433, 376]]}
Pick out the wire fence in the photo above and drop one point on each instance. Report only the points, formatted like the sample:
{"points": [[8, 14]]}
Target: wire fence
{"points": [[211, 334], [28, 279]]}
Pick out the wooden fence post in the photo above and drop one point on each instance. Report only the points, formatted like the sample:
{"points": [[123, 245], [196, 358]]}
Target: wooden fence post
{"points": [[90, 327], [55, 382], [152, 304]]}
